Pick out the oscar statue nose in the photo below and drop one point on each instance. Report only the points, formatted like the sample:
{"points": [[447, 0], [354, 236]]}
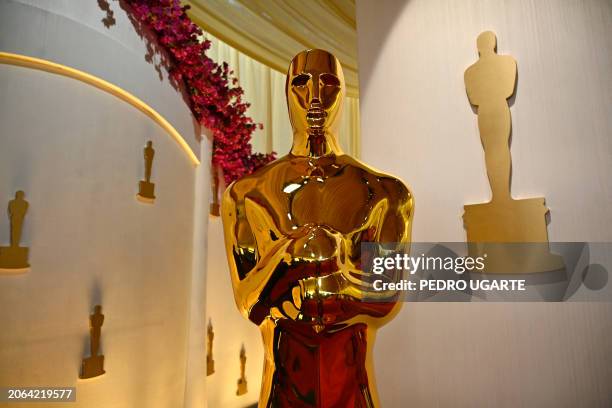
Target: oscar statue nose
{"points": [[315, 90]]}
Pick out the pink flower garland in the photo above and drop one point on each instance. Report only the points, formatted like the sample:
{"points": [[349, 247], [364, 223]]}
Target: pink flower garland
{"points": [[215, 99]]}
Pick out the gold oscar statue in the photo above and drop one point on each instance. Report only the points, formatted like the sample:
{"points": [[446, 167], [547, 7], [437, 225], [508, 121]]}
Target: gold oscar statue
{"points": [[499, 227], [242, 382], [210, 362], [93, 366], [146, 189], [293, 233], [15, 257]]}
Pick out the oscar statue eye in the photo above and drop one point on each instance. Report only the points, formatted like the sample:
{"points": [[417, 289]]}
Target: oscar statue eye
{"points": [[300, 80], [329, 80]]}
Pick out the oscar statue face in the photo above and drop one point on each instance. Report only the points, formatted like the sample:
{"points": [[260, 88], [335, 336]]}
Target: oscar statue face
{"points": [[315, 93]]}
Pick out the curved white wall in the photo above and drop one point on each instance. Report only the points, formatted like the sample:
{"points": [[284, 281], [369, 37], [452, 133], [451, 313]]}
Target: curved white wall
{"points": [[77, 153], [417, 124], [72, 33]]}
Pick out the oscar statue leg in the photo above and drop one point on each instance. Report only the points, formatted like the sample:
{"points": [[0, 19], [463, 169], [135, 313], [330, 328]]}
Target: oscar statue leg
{"points": [[495, 135], [16, 232], [148, 167], [95, 341]]}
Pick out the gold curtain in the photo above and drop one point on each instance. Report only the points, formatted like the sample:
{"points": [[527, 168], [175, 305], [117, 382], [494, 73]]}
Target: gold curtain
{"points": [[273, 31], [264, 89]]}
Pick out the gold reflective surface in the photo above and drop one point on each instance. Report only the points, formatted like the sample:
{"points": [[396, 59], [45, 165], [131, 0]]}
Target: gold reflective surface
{"points": [[293, 233], [489, 83]]}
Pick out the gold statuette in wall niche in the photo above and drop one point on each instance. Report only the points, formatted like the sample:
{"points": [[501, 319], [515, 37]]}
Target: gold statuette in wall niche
{"points": [[14, 258], [210, 336], [93, 366], [146, 189], [242, 382], [512, 233]]}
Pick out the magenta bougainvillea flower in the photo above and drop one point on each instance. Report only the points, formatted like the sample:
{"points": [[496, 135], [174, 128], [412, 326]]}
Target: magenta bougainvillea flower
{"points": [[216, 100]]}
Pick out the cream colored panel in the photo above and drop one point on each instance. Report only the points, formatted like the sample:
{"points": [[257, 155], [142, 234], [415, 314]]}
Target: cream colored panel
{"points": [[72, 33], [231, 331], [418, 124], [77, 152]]}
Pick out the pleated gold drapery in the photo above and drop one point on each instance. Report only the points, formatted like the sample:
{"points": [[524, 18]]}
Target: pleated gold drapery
{"points": [[273, 31], [264, 89]]}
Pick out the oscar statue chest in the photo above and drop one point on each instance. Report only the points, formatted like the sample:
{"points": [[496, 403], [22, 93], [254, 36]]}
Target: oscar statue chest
{"points": [[338, 198]]}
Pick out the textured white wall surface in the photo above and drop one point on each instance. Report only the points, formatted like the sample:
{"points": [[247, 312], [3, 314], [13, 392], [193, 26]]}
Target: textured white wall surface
{"points": [[412, 58], [77, 152], [417, 124], [71, 32], [231, 329], [195, 387]]}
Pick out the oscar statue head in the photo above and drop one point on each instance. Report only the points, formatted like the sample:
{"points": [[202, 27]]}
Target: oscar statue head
{"points": [[486, 43], [315, 92]]}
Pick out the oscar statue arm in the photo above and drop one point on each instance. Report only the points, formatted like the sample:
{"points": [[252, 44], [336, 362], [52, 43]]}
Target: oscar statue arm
{"points": [[470, 86], [397, 223], [511, 83], [250, 279]]}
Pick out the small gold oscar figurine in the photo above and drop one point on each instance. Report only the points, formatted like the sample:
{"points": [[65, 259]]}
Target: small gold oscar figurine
{"points": [[94, 366], [242, 382], [15, 257], [146, 189], [511, 232], [210, 363]]}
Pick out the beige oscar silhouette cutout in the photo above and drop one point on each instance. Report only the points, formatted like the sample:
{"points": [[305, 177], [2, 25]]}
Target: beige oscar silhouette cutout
{"points": [[15, 257], [210, 336], [93, 366], [146, 189], [242, 382], [490, 226]]}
